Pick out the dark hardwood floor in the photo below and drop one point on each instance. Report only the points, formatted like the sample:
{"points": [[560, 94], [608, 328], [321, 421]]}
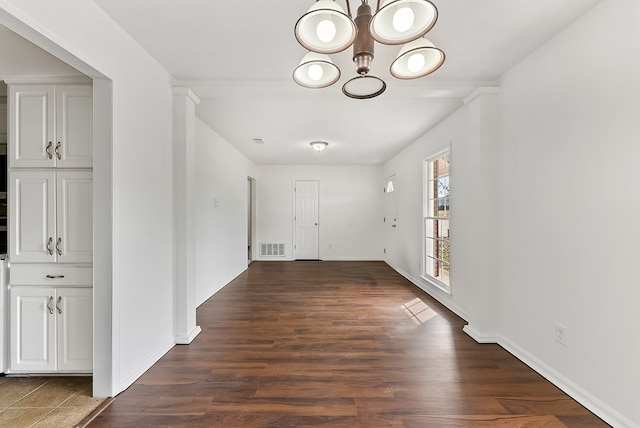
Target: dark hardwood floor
{"points": [[341, 344]]}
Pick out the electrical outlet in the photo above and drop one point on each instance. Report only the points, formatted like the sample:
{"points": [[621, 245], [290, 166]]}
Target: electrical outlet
{"points": [[561, 334]]}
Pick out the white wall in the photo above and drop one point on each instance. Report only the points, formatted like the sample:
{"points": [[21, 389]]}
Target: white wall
{"points": [[142, 287], [408, 169], [570, 122], [21, 57], [561, 179], [222, 226], [350, 209]]}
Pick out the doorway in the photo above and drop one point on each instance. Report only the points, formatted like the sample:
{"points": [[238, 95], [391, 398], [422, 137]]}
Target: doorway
{"points": [[390, 221], [251, 203], [306, 220]]}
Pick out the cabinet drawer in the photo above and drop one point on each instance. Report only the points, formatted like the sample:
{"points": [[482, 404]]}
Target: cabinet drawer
{"points": [[55, 275]]}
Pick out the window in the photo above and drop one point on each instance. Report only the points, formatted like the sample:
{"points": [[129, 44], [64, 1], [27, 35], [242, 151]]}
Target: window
{"points": [[437, 209]]}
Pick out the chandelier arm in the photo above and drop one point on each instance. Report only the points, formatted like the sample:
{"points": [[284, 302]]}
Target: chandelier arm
{"points": [[378, 6], [348, 8]]}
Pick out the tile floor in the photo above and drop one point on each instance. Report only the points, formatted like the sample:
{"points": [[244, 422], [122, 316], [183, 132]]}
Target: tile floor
{"points": [[45, 401]]}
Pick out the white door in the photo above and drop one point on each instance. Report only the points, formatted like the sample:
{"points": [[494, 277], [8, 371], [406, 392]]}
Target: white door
{"points": [[74, 217], [306, 220], [31, 126], [390, 221], [250, 210], [32, 220], [74, 126], [74, 311], [32, 329]]}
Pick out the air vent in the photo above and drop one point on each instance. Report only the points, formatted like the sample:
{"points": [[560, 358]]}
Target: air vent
{"points": [[272, 250]]}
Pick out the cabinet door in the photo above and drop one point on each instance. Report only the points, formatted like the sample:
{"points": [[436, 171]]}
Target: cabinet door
{"points": [[74, 307], [31, 126], [74, 213], [74, 126], [32, 218], [32, 330]]}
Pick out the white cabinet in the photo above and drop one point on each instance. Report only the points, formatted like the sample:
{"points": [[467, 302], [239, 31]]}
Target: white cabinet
{"points": [[50, 152], [51, 330], [51, 216], [51, 126]]}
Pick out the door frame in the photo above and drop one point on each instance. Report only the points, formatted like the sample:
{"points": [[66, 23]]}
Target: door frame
{"points": [[251, 218], [390, 224]]}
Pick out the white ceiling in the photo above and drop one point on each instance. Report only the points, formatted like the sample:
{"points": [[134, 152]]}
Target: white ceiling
{"points": [[238, 57]]}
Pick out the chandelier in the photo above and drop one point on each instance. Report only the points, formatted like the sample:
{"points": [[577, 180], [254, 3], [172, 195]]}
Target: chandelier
{"points": [[326, 29]]}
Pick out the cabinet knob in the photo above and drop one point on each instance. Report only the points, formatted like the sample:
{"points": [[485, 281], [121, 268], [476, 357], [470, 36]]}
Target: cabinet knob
{"points": [[58, 155], [49, 249], [48, 150]]}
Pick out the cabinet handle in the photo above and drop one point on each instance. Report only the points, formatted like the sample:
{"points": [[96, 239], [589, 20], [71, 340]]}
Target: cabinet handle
{"points": [[50, 305], [48, 150], [58, 155], [58, 245], [49, 249], [58, 303], [55, 276]]}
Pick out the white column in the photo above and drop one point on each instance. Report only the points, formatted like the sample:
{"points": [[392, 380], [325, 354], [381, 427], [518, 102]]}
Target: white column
{"points": [[184, 179], [483, 120]]}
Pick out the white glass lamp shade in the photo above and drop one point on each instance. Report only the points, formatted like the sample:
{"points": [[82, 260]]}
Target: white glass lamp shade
{"points": [[401, 21], [316, 71], [417, 59], [325, 28]]}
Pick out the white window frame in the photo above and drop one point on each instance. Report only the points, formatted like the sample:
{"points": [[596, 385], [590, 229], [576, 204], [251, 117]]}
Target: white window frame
{"points": [[428, 217]]}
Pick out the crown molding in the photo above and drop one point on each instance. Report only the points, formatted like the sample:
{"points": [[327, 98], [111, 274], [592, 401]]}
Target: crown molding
{"points": [[187, 92], [482, 90], [412, 89]]}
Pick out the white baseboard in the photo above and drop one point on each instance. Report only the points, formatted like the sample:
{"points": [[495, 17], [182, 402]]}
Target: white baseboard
{"points": [[187, 339], [324, 259], [600, 409], [475, 335], [132, 375]]}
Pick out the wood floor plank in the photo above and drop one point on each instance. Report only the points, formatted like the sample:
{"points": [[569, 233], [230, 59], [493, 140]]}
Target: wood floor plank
{"points": [[340, 344]]}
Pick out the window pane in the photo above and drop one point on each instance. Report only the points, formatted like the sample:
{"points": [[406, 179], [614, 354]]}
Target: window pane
{"points": [[443, 228], [441, 167], [443, 250], [444, 273], [390, 187], [437, 192], [443, 207], [443, 186]]}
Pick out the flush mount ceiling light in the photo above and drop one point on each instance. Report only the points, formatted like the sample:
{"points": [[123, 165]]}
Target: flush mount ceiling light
{"points": [[327, 29], [319, 146]]}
